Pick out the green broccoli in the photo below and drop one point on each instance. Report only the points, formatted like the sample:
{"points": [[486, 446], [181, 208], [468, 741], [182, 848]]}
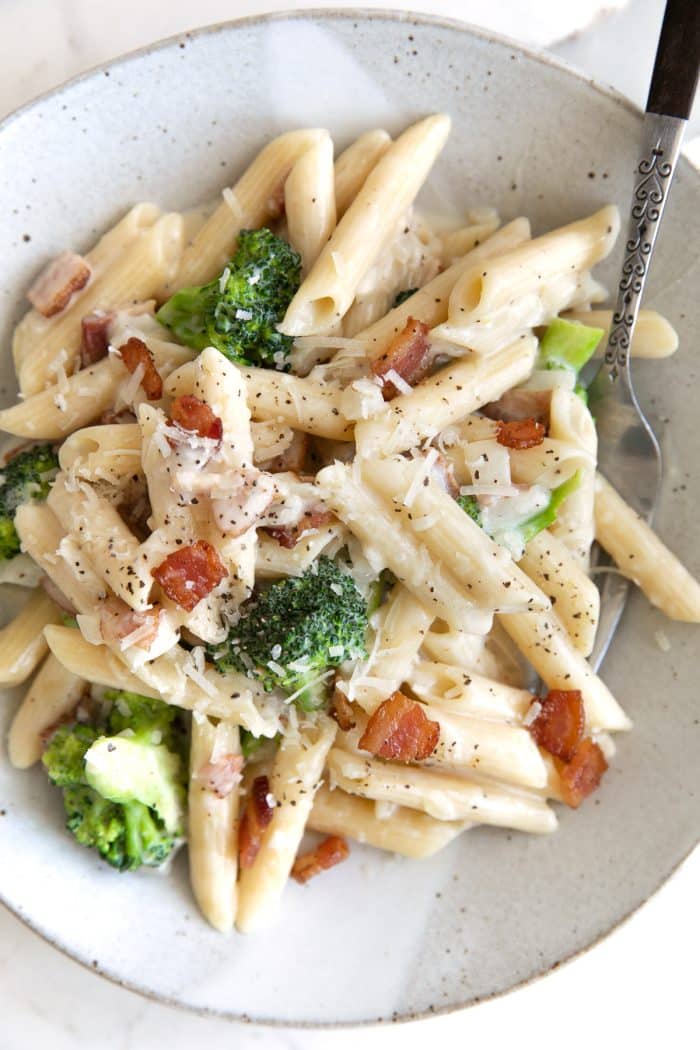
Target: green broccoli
{"points": [[122, 780], [238, 312], [401, 297], [470, 505], [27, 477], [569, 345], [301, 626], [379, 590]]}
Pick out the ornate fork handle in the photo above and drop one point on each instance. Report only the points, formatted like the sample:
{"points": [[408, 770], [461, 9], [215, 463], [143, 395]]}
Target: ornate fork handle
{"points": [[662, 142]]}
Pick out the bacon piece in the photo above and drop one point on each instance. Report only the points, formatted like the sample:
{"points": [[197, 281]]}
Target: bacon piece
{"points": [[135, 353], [559, 725], [118, 621], [289, 535], [54, 286], [327, 854], [196, 417], [580, 777], [408, 354], [342, 711], [190, 574], [399, 729], [520, 433], [221, 776], [520, 404], [94, 338], [293, 458], [256, 817]]}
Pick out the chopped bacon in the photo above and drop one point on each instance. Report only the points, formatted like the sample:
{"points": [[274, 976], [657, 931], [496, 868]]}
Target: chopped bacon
{"points": [[94, 341], [118, 621], [327, 854], [408, 354], [520, 404], [342, 711], [399, 729], [580, 777], [53, 288], [135, 353], [256, 817], [520, 433], [559, 725], [221, 776], [289, 535], [56, 595], [293, 458], [195, 416], [190, 574]]}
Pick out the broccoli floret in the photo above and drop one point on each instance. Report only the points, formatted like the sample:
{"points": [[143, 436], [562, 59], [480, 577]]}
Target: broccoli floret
{"points": [[239, 311], [122, 780], [470, 505], [27, 477], [401, 297], [299, 627]]}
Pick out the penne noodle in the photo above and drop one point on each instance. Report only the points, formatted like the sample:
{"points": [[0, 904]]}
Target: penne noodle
{"points": [[389, 190], [51, 698], [455, 689], [355, 163], [296, 774], [546, 645], [445, 398], [654, 336], [405, 831], [309, 198], [22, 643], [642, 557], [252, 202], [139, 273], [444, 797], [110, 453], [492, 655], [572, 592], [529, 286], [60, 557], [274, 561], [212, 839], [570, 421]]}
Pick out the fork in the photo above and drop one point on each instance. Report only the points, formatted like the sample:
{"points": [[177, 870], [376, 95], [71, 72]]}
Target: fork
{"points": [[628, 451]]}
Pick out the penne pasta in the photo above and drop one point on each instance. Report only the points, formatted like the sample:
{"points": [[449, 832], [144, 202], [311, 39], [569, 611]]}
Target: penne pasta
{"points": [[355, 163], [642, 557], [51, 698], [48, 543], [295, 778], [653, 337], [212, 844], [22, 643], [309, 199], [389, 190]]}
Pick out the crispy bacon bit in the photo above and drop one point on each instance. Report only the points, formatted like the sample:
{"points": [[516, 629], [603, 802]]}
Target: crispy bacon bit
{"points": [[256, 817], [289, 535], [399, 729], [520, 433], [342, 711], [580, 777], [293, 458], [520, 404], [54, 286], [118, 621], [135, 353], [221, 776], [94, 342], [195, 416], [559, 725], [327, 854], [408, 354], [190, 574]]}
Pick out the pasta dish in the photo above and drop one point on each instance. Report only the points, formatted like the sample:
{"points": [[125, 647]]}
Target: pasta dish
{"points": [[302, 489]]}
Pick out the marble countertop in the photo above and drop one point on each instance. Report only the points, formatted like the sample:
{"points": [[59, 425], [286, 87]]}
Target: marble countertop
{"points": [[638, 986]]}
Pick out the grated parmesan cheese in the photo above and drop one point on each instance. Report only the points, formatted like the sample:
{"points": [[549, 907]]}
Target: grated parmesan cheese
{"points": [[532, 713], [392, 376], [421, 474]]}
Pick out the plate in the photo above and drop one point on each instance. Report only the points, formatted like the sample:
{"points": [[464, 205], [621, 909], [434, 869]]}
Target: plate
{"points": [[381, 937]]}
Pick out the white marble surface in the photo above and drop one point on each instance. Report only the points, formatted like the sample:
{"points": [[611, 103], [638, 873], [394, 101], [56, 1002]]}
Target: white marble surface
{"points": [[636, 988]]}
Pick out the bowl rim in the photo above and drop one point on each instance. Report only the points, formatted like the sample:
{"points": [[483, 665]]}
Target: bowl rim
{"points": [[344, 14]]}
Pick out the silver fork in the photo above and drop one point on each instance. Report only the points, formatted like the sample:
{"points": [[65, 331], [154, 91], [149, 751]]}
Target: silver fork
{"points": [[628, 451]]}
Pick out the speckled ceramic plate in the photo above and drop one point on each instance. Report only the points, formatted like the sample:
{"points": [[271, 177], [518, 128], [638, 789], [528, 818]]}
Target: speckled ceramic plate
{"points": [[381, 937]]}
